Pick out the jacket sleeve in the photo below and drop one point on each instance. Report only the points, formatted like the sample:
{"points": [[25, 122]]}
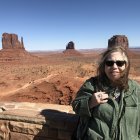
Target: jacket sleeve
{"points": [[80, 103], [137, 89]]}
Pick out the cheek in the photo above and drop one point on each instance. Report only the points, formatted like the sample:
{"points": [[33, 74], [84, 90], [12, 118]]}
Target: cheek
{"points": [[106, 70], [122, 68]]}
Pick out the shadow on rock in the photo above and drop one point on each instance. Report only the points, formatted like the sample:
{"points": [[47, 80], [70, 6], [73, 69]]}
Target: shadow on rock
{"points": [[58, 125]]}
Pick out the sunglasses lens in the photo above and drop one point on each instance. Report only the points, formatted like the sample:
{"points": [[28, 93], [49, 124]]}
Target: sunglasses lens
{"points": [[119, 63], [109, 63]]}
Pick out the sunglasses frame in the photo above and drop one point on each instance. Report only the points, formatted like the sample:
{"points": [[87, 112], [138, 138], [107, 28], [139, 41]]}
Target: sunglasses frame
{"points": [[119, 63]]}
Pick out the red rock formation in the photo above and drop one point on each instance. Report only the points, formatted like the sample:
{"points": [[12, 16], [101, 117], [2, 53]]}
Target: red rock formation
{"points": [[13, 49], [70, 49], [118, 40], [10, 41], [70, 45]]}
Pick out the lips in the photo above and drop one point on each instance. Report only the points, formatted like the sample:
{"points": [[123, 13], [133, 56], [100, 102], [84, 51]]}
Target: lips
{"points": [[114, 72]]}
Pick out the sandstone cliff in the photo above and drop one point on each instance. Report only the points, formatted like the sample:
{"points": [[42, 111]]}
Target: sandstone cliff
{"points": [[10, 41], [13, 50], [70, 50], [118, 40]]}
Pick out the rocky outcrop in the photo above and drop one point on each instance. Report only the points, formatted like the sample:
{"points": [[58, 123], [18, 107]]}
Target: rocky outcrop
{"points": [[70, 50], [13, 50], [10, 41], [120, 40], [70, 45]]}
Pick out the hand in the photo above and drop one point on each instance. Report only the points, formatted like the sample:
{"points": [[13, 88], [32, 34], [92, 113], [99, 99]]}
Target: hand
{"points": [[98, 98]]}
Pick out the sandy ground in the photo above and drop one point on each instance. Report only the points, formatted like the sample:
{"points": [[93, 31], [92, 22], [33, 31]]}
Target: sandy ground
{"points": [[52, 77]]}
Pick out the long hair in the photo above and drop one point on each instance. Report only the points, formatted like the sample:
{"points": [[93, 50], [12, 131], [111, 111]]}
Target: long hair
{"points": [[122, 83]]}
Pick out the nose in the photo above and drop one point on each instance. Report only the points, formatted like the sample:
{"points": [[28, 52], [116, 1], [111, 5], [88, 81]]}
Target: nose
{"points": [[115, 65]]}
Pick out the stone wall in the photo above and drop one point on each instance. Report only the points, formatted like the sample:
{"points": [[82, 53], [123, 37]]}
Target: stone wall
{"points": [[36, 121]]}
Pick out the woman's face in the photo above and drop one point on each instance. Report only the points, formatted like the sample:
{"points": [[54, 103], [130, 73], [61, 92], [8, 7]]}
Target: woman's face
{"points": [[114, 66]]}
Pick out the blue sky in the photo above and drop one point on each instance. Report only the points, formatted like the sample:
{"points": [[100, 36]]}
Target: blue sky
{"points": [[51, 24]]}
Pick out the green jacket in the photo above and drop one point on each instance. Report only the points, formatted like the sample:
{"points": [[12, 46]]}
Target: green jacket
{"points": [[111, 120]]}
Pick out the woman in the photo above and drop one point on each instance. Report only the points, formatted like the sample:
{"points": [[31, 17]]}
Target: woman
{"points": [[109, 104]]}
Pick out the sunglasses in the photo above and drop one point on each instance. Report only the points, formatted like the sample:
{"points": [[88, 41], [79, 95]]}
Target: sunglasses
{"points": [[119, 63]]}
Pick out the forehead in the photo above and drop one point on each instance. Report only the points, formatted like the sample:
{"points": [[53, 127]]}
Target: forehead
{"points": [[116, 56]]}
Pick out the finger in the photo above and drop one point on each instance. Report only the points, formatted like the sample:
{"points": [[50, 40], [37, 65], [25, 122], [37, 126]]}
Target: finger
{"points": [[101, 92], [103, 101], [105, 96], [98, 95]]}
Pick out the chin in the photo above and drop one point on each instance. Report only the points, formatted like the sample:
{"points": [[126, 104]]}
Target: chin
{"points": [[114, 78]]}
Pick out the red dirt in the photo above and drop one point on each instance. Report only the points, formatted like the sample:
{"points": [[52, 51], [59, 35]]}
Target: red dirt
{"points": [[53, 77]]}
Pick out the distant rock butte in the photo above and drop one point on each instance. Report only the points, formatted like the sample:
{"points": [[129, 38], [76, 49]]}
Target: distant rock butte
{"points": [[70, 49], [120, 40], [70, 45], [10, 41], [14, 50]]}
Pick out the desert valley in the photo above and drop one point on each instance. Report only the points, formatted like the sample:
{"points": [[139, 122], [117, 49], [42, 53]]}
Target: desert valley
{"points": [[49, 77]]}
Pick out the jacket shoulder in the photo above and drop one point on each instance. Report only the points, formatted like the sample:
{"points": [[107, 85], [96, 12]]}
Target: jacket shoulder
{"points": [[134, 87], [92, 80], [89, 86], [133, 84]]}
